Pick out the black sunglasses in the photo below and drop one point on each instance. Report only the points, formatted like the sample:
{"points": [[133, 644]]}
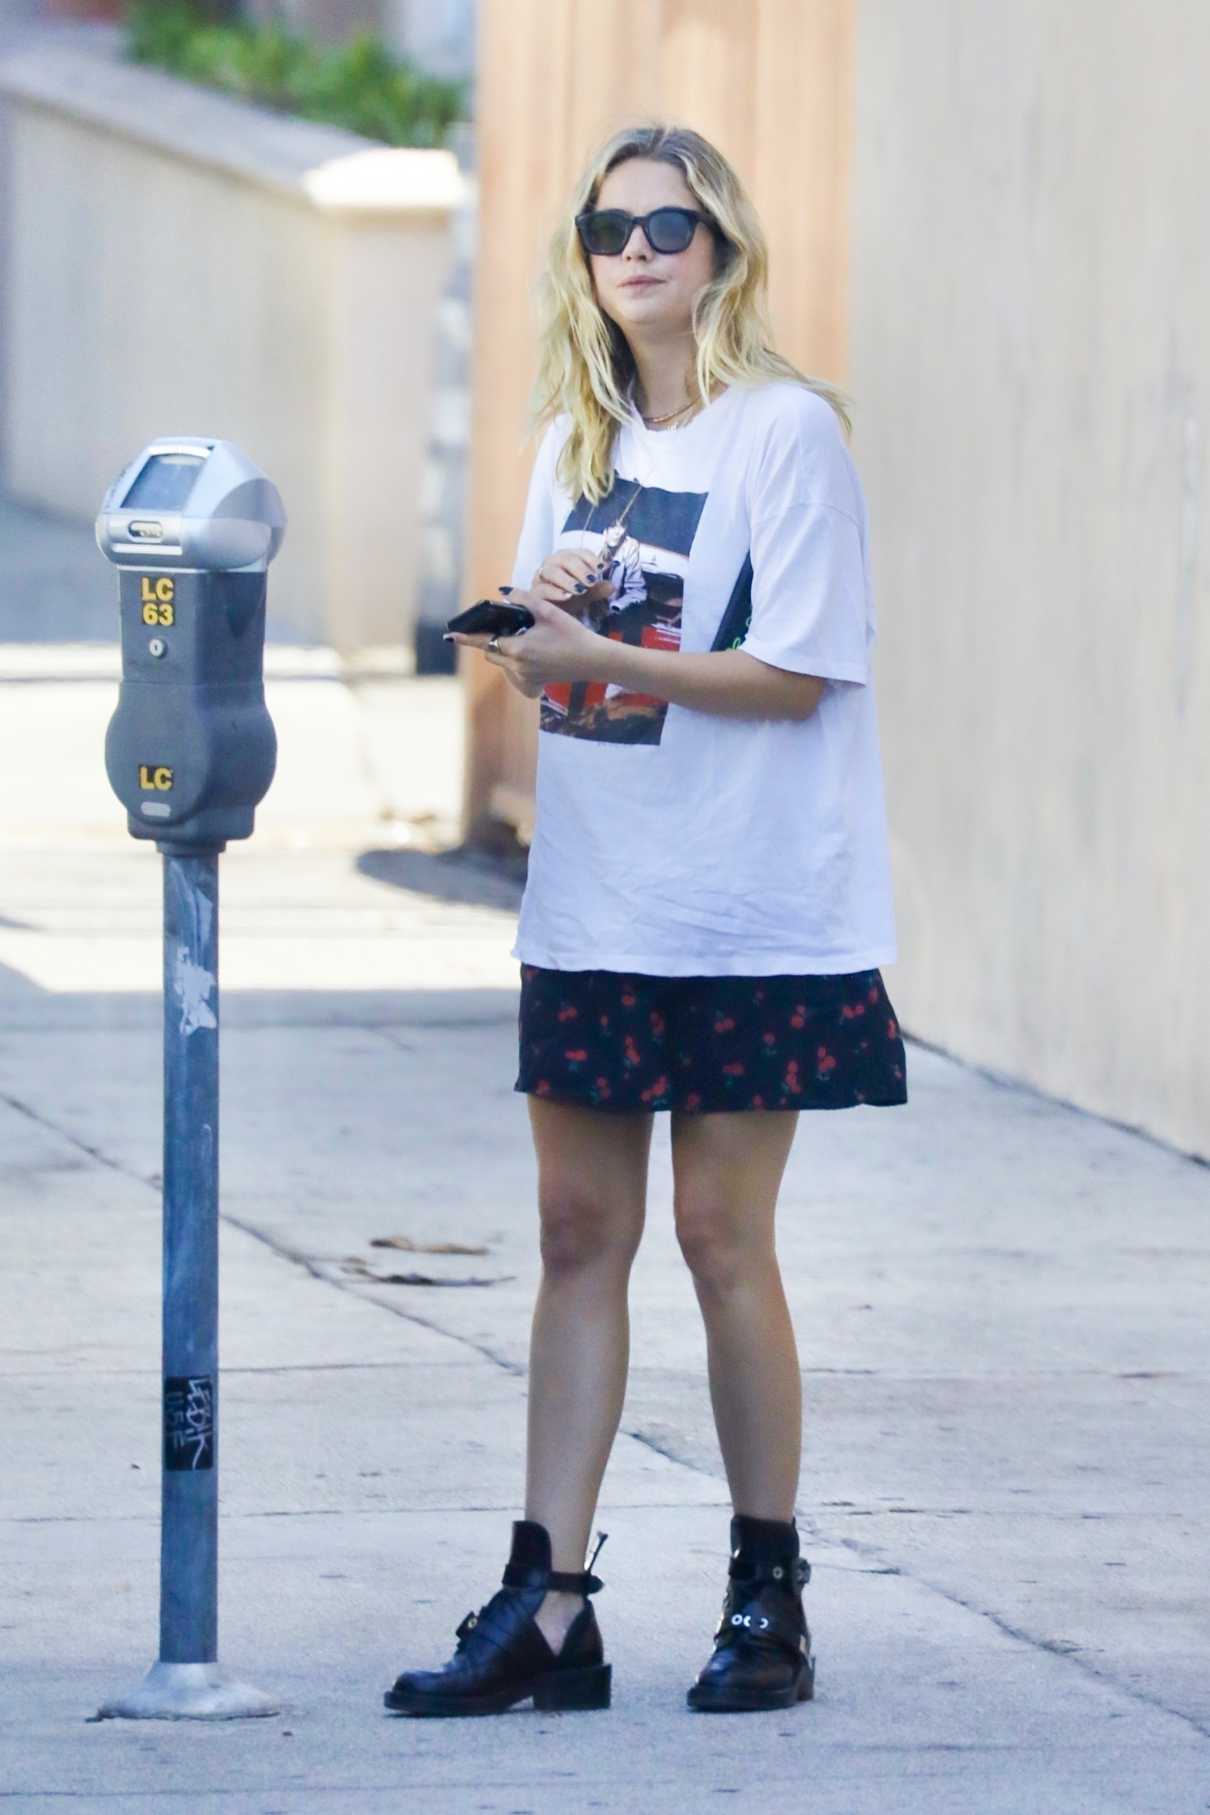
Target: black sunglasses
{"points": [[606, 231]]}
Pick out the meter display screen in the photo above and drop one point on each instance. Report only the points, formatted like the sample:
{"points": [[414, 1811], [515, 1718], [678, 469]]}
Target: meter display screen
{"points": [[164, 483]]}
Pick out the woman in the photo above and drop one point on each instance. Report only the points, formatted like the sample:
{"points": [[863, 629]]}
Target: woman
{"points": [[708, 898]]}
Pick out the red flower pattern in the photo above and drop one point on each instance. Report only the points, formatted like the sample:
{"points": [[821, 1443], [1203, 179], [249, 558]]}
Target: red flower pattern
{"points": [[702, 1041]]}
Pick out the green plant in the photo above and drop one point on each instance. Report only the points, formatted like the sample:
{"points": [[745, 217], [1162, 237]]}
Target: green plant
{"points": [[360, 84]]}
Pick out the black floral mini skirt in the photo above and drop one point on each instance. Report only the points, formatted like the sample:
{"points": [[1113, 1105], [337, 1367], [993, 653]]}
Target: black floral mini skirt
{"points": [[626, 1040]]}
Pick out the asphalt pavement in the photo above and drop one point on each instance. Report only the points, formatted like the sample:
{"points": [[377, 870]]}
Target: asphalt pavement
{"points": [[1000, 1301]]}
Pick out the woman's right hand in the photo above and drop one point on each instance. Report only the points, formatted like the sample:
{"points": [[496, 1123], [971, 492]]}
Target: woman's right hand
{"points": [[556, 581], [514, 680], [561, 573]]}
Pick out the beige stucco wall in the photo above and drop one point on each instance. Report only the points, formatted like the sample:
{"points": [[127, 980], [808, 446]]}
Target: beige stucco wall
{"points": [[180, 263], [1030, 358]]}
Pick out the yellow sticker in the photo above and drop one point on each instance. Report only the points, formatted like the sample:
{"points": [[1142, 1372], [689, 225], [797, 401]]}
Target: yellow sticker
{"points": [[155, 777], [157, 598]]}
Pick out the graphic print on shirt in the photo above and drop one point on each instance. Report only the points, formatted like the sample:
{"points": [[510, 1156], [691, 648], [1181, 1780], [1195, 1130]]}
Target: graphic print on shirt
{"points": [[648, 559]]}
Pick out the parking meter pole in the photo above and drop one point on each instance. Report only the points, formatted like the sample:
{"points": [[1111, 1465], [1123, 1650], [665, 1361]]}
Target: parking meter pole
{"points": [[192, 525], [187, 1682], [189, 1496]]}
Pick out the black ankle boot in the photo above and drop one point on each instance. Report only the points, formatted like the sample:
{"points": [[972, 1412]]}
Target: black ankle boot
{"points": [[762, 1644], [502, 1655]]}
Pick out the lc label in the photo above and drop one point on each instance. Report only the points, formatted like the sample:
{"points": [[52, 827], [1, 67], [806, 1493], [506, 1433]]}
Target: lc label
{"points": [[156, 598]]}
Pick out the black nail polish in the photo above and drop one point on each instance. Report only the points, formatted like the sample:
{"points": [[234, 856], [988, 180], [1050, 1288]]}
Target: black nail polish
{"points": [[504, 589], [580, 586]]}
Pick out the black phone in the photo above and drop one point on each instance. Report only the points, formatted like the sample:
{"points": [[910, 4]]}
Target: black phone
{"points": [[492, 617]]}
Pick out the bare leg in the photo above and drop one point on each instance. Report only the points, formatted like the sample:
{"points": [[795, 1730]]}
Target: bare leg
{"points": [[592, 1193], [728, 1169]]}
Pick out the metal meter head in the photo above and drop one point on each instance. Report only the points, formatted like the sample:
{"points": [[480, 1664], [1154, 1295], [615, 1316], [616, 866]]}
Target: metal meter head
{"points": [[187, 501], [191, 526]]}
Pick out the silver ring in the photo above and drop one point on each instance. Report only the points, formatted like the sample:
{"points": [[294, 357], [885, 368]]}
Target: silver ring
{"points": [[494, 643]]}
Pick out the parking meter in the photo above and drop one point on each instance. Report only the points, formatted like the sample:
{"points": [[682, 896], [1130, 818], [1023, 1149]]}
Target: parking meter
{"points": [[191, 526]]}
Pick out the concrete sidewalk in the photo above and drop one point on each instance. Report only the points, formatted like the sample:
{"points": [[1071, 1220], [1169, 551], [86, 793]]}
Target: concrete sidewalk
{"points": [[1001, 1306]]}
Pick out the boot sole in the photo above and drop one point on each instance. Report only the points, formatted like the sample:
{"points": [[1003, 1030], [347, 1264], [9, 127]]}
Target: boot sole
{"points": [[562, 1692], [705, 1699]]}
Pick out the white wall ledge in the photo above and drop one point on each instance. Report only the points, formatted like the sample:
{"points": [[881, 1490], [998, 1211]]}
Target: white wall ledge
{"points": [[85, 78], [176, 258]]}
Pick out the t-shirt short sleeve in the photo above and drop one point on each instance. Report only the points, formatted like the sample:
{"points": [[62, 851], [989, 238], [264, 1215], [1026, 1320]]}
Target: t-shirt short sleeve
{"points": [[537, 536], [810, 594]]}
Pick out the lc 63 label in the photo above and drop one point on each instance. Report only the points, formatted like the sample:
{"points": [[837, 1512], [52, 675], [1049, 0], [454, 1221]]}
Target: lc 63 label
{"points": [[157, 599]]}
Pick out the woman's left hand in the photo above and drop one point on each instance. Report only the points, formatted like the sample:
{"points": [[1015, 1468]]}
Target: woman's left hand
{"points": [[556, 647]]}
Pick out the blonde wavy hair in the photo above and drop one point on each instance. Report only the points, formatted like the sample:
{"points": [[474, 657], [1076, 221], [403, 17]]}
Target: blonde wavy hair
{"points": [[585, 365]]}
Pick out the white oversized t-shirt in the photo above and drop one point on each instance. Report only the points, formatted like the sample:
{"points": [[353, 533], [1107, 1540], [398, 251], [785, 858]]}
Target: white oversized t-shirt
{"points": [[682, 842]]}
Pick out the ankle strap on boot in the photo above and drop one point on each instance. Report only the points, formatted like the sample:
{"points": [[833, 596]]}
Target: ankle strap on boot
{"points": [[568, 1581], [794, 1573]]}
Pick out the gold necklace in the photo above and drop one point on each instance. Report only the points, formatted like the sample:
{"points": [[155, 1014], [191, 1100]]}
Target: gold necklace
{"points": [[654, 421]]}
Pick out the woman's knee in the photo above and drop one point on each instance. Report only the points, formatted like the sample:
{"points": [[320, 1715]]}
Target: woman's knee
{"points": [[718, 1250], [581, 1228]]}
